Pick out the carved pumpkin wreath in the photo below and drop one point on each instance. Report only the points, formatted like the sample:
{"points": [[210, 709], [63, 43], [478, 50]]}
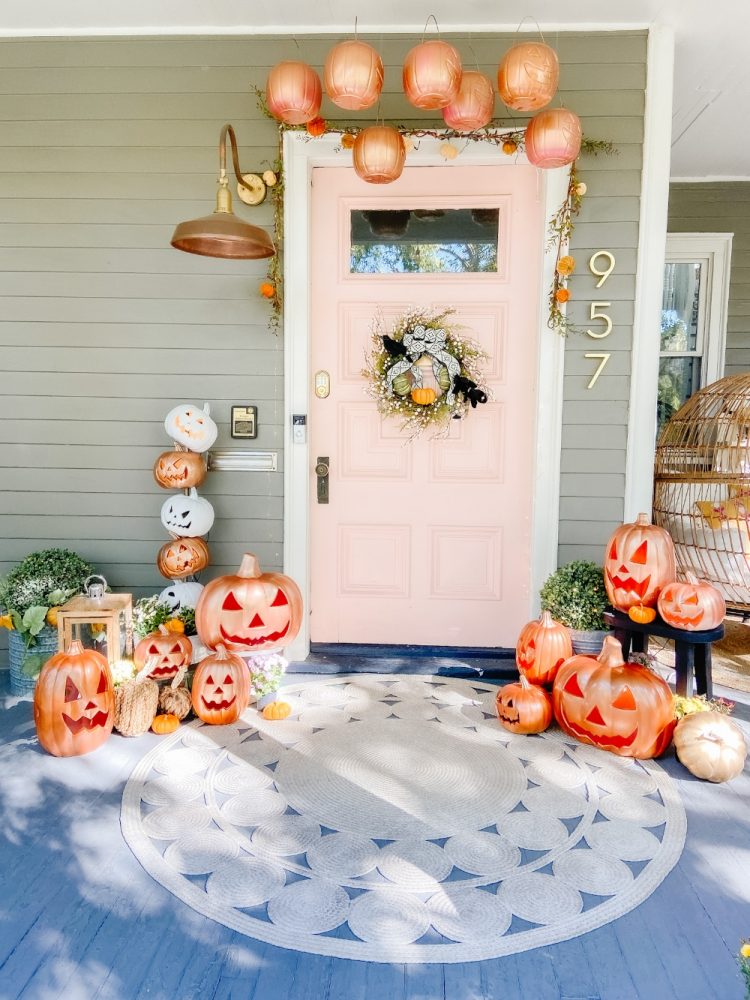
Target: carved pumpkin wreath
{"points": [[424, 372]]}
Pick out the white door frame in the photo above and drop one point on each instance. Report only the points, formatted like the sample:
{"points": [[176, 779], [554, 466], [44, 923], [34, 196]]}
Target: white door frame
{"points": [[301, 155]]}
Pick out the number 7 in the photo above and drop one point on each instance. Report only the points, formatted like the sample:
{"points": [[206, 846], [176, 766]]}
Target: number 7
{"points": [[605, 358]]}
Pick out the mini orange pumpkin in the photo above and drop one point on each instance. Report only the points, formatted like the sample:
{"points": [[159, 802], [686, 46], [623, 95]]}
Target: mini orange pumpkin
{"points": [[639, 561], [182, 557], [168, 651], [163, 724], [692, 606], [423, 397], [179, 470], [638, 613], [543, 646], [523, 708], [221, 688], [277, 710]]}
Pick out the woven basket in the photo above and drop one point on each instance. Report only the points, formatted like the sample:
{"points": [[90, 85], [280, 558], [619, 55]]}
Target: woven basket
{"points": [[44, 647], [136, 703]]}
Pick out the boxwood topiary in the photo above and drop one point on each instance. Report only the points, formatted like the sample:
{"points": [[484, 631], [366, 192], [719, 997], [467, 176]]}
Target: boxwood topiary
{"points": [[575, 596], [57, 572]]}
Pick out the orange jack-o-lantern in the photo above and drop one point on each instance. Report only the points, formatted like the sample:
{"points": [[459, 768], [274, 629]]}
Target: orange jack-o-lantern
{"points": [[168, 652], [182, 557], [251, 612], [693, 606], [179, 470], [617, 706], [221, 688], [523, 708], [74, 702], [543, 646], [639, 560]]}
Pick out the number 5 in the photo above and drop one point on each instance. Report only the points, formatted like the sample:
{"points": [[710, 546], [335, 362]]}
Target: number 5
{"points": [[595, 314]]}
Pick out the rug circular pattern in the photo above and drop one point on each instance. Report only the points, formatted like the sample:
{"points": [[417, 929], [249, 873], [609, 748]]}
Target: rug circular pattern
{"points": [[394, 820]]}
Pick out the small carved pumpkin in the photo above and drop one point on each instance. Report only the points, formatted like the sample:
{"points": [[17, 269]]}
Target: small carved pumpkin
{"points": [[181, 595], [523, 707], [617, 706], [423, 397], [179, 470], [641, 615], [74, 702], [692, 606], [543, 646], [710, 746], [639, 561], [191, 426], [187, 515], [182, 557], [251, 611], [221, 688], [164, 724], [277, 710], [167, 651]]}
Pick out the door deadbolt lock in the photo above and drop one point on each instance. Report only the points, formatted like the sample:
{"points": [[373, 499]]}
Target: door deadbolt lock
{"points": [[321, 472]]}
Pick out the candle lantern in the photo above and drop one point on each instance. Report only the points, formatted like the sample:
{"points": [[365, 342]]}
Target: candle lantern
{"points": [[553, 138], [432, 75], [528, 75], [379, 154], [98, 620], [293, 93], [474, 103], [353, 75]]}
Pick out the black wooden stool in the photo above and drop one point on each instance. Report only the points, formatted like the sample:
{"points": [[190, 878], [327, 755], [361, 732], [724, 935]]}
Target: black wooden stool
{"points": [[692, 650]]}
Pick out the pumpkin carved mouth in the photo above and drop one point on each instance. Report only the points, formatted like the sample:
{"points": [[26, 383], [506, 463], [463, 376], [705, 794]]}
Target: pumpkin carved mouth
{"points": [[85, 722], [244, 640], [507, 717], [215, 706], [676, 619], [165, 671], [605, 739], [628, 584]]}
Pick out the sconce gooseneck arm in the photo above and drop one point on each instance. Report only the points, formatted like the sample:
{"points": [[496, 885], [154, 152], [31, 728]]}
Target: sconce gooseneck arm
{"points": [[228, 130]]}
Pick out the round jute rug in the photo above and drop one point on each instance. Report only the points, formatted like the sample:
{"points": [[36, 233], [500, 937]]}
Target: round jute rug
{"points": [[394, 820]]}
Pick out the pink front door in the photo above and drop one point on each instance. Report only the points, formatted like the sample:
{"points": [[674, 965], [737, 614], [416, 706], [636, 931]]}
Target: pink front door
{"points": [[425, 542]]}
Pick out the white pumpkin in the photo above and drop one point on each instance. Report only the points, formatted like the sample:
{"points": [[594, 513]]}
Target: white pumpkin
{"points": [[711, 746], [181, 595], [191, 427], [187, 515]]}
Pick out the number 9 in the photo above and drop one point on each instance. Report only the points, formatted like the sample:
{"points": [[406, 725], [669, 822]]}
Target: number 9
{"points": [[602, 275]]}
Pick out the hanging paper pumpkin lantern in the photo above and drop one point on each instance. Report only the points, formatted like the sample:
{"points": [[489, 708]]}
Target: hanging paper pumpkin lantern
{"points": [[179, 470], [167, 651], [472, 107], [353, 75], [379, 154], [692, 606], [553, 138], [616, 706], [221, 688], [710, 746], [187, 515], [528, 75], [74, 702], [432, 75], [639, 561], [250, 612], [191, 426], [523, 708], [293, 92], [543, 646], [182, 557]]}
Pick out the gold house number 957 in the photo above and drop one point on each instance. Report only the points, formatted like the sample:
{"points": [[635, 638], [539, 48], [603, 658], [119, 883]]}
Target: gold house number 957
{"points": [[601, 264]]}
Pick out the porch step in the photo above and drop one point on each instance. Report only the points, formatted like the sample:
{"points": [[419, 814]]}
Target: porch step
{"points": [[345, 658]]}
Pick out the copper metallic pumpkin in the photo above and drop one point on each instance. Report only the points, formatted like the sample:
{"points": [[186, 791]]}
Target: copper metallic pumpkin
{"points": [[74, 702], [432, 75], [182, 557], [523, 708], [616, 706], [179, 470], [473, 105], [221, 688], [692, 606], [639, 560], [528, 75], [250, 612], [353, 75], [542, 648], [379, 154], [710, 746], [553, 138], [293, 92], [168, 652]]}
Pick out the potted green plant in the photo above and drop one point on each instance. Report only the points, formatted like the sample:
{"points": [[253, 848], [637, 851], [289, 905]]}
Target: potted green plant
{"points": [[30, 596], [576, 597], [266, 672]]}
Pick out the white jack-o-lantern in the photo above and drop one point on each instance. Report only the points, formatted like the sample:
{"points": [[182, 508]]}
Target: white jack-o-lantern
{"points": [[191, 426], [181, 595], [187, 515]]}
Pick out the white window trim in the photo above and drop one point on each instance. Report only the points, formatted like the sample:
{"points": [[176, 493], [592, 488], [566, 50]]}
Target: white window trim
{"points": [[300, 157]]}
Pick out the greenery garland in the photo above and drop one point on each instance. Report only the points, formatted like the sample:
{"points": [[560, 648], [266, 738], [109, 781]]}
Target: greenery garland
{"points": [[415, 417]]}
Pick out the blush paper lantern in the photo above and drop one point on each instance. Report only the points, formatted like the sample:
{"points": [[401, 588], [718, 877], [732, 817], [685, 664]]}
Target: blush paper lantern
{"points": [[528, 75], [432, 75], [379, 154], [293, 93], [353, 75], [553, 138], [473, 105]]}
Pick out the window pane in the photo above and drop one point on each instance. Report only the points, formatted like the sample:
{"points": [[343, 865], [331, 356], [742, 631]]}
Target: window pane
{"points": [[426, 241], [679, 307], [678, 379]]}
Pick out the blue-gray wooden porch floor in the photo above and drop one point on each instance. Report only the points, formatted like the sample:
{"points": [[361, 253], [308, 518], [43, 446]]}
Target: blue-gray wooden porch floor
{"points": [[80, 919]]}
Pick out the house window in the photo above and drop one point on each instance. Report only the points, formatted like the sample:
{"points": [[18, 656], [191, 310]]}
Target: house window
{"points": [[693, 317]]}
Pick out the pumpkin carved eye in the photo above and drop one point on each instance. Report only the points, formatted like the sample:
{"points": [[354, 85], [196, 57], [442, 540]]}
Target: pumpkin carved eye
{"points": [[640, 556], [280, 600], [228, 680], [693, 599], [102, 683], [71, 691], [231, 603], [209, 679], [613, 551], [176, 649], [153, 650], [573, 687], [625, 700]]}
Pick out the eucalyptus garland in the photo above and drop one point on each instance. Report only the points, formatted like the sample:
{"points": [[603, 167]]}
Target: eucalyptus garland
{"points": [[395, 377]]}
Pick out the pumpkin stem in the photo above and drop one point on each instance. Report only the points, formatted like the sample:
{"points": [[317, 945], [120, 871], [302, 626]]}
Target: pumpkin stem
{"points": [[220, 652], [524, 682], [75, 648], [691, 578], [546, 621], [643, 519], [249, 567], [164, 630], [611, 654]]}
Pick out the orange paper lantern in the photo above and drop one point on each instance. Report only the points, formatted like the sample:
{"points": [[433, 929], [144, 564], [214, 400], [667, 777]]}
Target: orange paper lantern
{"points": [[692, 606], [293, 92], [353, 75], [553, 138], [473, 105], [379, 154], [528, 75], [543, 646], [432, 75], [639, 560]]}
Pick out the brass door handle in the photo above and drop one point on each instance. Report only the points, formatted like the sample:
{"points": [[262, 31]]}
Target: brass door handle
{"points": [[321, 472]]}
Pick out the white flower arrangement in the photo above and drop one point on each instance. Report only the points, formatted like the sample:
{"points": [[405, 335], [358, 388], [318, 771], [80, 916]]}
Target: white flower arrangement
{"points": [[266, 671]]}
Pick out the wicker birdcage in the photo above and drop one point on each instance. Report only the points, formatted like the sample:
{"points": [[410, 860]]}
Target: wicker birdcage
{"points": [[702, 486]]}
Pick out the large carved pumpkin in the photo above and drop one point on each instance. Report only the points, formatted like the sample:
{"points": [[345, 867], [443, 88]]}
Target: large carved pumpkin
{"points": [[710, 746], [187, 515], [693, 606], [74, 702], [617, 706], [639, 561], [250, 612], [191, 426], [168, 652], [543, 646], [523, 707], [182, 557], [179, 470], [221, 688]]}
